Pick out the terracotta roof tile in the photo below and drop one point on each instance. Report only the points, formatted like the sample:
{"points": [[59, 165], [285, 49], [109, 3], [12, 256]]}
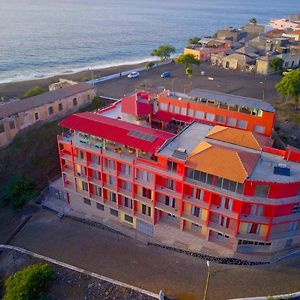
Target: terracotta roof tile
{"points": [[228, 163], [239, 137]]}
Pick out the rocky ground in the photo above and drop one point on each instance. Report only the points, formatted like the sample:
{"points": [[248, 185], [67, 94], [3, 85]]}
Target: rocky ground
{"points": [[68, 284]]}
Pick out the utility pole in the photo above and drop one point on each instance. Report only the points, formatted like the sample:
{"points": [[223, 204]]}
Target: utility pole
{"points": [[207, 280]]}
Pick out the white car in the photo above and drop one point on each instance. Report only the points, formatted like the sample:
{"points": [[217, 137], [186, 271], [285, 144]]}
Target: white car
{"points": [[133, 75]]}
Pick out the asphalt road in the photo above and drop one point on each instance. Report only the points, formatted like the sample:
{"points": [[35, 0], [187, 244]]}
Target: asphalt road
{"points": [[226, 81], [151, 268]]}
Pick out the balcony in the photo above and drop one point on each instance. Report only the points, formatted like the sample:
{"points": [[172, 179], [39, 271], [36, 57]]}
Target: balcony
{"points": [[110, 187], [168, 192], [97, 198], [224, 211], [125, 176], [141, 181], [196, 201], [287, 218], [125, 192], [251, 237], [94, 165], [221, 229], [95, 181], [69, 171], [143, 199], [165, 208], [193, 219], [119, 152], [112, 204], [156, 169], [241, 197], [255, 219], [66, 156]]}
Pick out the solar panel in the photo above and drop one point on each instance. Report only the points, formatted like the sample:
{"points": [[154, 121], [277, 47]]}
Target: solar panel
{"points": [[142, 135]]}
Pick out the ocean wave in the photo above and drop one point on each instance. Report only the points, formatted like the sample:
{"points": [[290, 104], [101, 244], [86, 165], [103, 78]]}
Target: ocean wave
{"points": [[68, 71]]}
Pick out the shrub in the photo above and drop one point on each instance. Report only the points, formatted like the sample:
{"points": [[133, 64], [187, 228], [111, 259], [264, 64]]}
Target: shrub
{"points": [[18, 191], [149, 65], [29, 283], [34, 91]]}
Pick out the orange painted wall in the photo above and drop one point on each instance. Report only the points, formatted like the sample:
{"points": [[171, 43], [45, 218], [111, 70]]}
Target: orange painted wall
{"points": [[267, 120]]}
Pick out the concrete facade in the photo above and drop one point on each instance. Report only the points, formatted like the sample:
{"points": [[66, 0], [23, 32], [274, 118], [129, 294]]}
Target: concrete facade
{"points": [[18, 115]]}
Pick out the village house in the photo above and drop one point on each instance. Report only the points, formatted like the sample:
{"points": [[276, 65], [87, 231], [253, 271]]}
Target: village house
{"points": [[18, 115], [206, 47], [284, 24]]}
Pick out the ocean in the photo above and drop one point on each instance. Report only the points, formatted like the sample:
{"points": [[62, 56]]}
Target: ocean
{"points": [[40, 38]]}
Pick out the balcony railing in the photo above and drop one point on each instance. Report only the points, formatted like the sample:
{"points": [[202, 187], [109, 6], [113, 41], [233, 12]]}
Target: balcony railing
{"points": [[168, 209], [224, 211], [193, 219], [144, 218], [196, 201], [168, 192], [143, 199]]}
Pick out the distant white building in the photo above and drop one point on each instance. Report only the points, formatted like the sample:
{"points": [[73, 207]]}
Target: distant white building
{"points": [[284, 24]]}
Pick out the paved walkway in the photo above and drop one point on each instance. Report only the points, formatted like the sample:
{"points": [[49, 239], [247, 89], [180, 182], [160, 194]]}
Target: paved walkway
{"points": [[151, 268]]}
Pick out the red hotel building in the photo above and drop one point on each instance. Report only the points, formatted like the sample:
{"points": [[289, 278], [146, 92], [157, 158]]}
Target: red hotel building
{"points": [[202, 177]]}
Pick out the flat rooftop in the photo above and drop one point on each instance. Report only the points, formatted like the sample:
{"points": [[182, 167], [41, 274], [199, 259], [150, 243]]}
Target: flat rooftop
{"points": [[232, 99], [190, 137]]}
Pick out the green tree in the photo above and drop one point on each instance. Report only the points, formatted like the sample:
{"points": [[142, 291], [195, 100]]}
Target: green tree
{"points": [[253, 21], [34, 91], [163, 52], [276, 64], [149, 65], [18, 191], [194, 40], [29, 283], [187, 60], [289, 86]]}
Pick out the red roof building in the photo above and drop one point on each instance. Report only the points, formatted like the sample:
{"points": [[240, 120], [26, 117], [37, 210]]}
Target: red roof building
{"points": [[224, 186]]}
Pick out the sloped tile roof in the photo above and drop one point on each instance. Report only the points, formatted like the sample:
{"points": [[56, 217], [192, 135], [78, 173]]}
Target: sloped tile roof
{"points": [[239, 137], [225, 162]]}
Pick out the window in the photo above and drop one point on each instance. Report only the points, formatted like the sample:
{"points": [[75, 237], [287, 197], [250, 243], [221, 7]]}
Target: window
{"points": [[170, 184], [163, 106], [95, 174], [257, 210], [60, 106], [220, 119], [146, 193], [98, 191], [81, 155], [112, 180], [100, 206], [198, 194], [210, 117], [183, 111], [296, 209], [75, 102], [128, 219], [172, 166], [242, 124], [224, 221], [86, 201], [170, 201], [293, 226], [95, 159], [145, 176], [50, 110], [171, 108], [110, 164], [36, 116], [85, 186], [190, 112], [253, 228], [127, 186], [176, 109], [126, 170], [199, 114], [226, 203], [114, 212], [262, 190], [196, 211], [259, 129], [146, 210], [12, 124], [127, 202], [231, 122], [112, 197]]}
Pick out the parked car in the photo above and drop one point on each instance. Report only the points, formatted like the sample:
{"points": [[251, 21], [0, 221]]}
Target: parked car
{"points": [[133, 75], [165, 74]]}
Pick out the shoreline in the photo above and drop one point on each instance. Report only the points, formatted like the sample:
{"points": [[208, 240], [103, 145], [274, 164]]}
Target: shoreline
{"points": [[18, 88]]}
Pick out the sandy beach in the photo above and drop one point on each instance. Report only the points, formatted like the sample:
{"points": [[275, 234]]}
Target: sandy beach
{"points": [[18, 89]]}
